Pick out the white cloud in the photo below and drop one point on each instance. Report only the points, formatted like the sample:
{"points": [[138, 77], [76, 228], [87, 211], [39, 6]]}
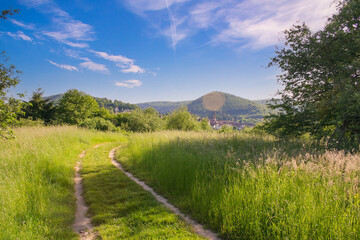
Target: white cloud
{"points": [[70, 29], [133, 69], [254, 23], [129, 83], [269, 19], [96, 67], [23, 25], [64, 66], [20, 35], [121, 61], [153, 5], [76, 45], [114, 58], [64, 28]]}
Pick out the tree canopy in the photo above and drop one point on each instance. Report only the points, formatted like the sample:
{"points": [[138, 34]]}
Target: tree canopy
{"points": [[182, 119], [9, 106], [75, 106], [320, 75], [39, 108]]}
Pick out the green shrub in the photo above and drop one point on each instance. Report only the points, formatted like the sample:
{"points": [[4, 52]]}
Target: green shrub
{"points": [[139, 120], [29, 122], [98, 123], [226, 129], [182, 119]]}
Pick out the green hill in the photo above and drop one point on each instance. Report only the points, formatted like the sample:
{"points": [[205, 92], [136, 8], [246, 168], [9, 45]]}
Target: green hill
{"points": [[235, 109], [164, 107]]}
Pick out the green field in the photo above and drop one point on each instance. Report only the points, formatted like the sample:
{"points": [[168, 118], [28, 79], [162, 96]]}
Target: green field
{"points": [[252, 187], [36, 186], [243, 186]]}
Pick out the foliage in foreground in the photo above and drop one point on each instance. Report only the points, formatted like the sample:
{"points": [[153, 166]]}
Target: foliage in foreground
{"points": [[252, 187], [36, 180], [321, 80], [120, 208], [9, 106]]}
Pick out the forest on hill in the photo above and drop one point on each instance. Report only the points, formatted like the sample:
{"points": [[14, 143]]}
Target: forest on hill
{"points": [[234, 109]]}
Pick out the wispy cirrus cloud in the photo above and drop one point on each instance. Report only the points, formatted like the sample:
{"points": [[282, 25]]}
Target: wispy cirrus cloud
{"points": [[129, 83], [251, 23], [63, 28], [23, 25], [64, 66], [20, 35], [126, 64], [96, 67], [114, 58], [133, 69]]}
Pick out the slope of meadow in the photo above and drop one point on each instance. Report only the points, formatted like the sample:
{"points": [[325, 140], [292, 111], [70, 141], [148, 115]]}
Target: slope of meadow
{"points": [[252, 187], [36, 185]]}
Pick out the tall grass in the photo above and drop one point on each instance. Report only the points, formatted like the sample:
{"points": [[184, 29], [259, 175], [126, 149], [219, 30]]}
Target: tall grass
{"points": [[252, 187], [120, 208], [36, 185]]}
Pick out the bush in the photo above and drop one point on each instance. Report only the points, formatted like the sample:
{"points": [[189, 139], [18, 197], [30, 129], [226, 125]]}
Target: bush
{"points": [[139, 120], [29, 122], [182, 119], [226, 129], [98, 124]]}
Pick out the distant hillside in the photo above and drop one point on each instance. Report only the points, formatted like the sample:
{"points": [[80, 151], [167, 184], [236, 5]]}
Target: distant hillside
{"points": [[54, 98], [263, 101], [235, 108], [103, 102], [164, 107]]}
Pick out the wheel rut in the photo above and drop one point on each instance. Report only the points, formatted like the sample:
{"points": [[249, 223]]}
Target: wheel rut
{"points": [[82, 224]]}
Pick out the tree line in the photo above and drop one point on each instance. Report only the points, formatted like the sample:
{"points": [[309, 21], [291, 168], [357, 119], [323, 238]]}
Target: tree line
{"points": [[78, 108]]}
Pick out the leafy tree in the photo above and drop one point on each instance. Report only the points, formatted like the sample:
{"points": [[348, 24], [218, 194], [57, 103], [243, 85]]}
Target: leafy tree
{"points": [[182, 119], [112, 105], [6, 13], [139, 120], [98, 123], [104, 113], [205, 125], [320, 76], [75, 106], [39, 108], [9, 106]]}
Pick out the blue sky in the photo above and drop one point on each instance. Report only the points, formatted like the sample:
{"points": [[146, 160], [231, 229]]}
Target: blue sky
{"points": [[152, 50]]}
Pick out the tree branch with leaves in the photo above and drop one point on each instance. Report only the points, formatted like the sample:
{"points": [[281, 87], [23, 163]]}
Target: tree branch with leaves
{"points": [[320, 75]]}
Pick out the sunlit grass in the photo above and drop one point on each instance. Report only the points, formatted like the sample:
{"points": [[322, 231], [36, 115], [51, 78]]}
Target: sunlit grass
{"points": [[121, 209], [252, 187], [36, 186]]}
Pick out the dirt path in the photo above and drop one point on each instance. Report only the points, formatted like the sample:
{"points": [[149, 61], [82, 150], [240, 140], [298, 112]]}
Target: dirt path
{"points": [[199, 229], [82, 224]]}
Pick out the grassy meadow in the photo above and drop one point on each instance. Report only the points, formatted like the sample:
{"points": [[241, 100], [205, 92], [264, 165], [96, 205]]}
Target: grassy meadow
{"points": [[120, 208], [251, 187], [244, 186], [36, 180]]}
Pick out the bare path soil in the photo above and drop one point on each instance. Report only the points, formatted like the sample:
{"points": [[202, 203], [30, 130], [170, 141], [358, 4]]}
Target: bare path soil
{"points": [[82, 224], [199, 229]]}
